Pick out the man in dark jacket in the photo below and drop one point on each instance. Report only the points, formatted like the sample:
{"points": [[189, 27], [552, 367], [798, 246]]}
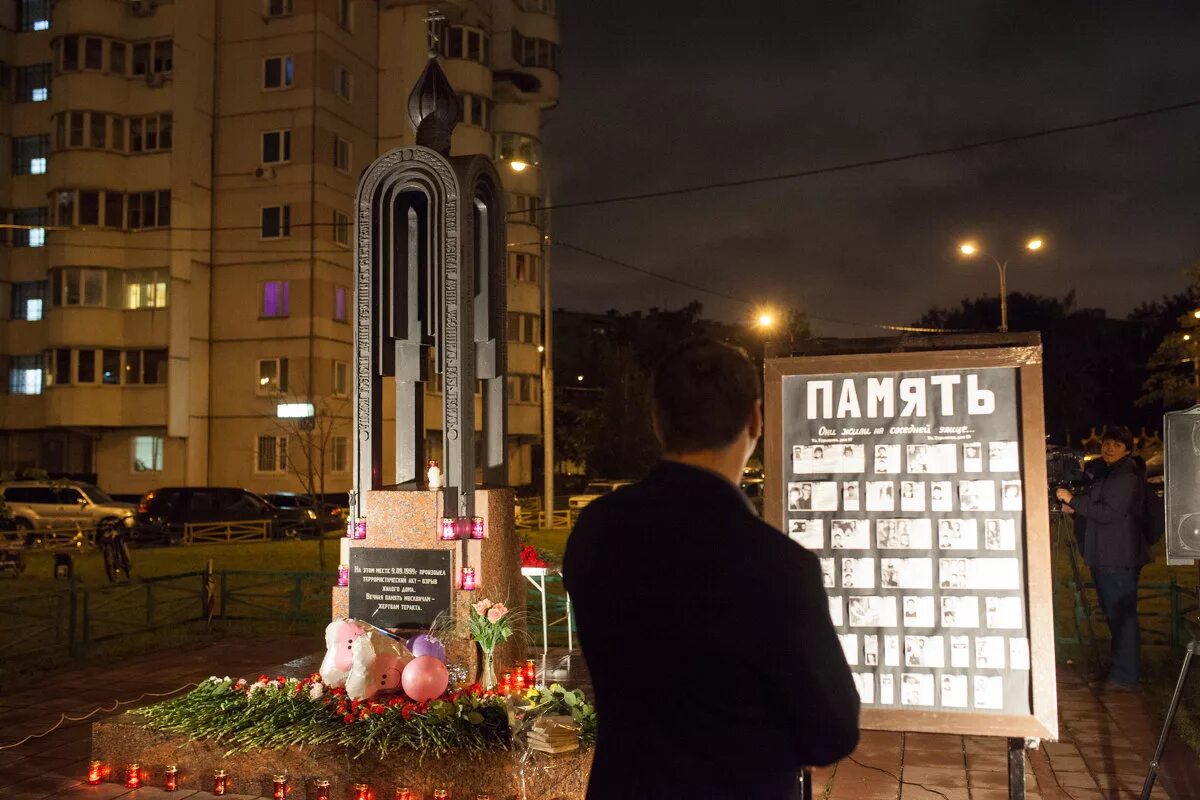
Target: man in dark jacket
{"points": [[716, 668], [1115, 549]]}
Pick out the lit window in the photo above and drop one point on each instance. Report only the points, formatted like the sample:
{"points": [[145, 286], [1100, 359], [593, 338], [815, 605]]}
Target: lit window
{"points": [[341, 228], [37, 237], [339, 456], [29, 154], [147, 453], [272, 376], [27, 300], [144, 367], [276, 222], [339, 303], [275, 298], [276, 147], [271, 454], [25, 375], [37, 166], [34, 15], [33, 83], [146, 288], [341, 378], [517, 147], [278, 72]]}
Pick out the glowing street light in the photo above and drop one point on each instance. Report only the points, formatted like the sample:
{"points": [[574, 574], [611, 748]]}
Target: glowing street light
{"points": [[1033, 245], [517, 166], [765, 319]]}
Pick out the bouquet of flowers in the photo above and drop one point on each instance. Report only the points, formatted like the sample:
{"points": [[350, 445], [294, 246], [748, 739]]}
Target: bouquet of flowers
{"points": [[490, 625], [530, 557]]}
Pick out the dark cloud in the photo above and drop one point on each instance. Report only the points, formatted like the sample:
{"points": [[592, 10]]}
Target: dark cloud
{"points": [[674, 94]]}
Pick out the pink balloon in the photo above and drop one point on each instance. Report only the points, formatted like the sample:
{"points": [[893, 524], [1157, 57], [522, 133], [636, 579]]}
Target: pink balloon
{"points": [[425, 678], [346, 634]]}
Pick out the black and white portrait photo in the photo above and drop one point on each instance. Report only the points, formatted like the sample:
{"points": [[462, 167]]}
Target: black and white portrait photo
{"points": [[989, 691], [977, 495], [918, 611], [849, 643], [813, 496], [960, 652], [918, 458], [1010, 495], [872, 612], [1003, 457], [891, 651], [906, 573], [887, 459], [958, 534], [858, 573], [887, 690], [916, 689], [954, 691], [924, 651], [972, 457], [960, 611], [828, 459], [828, 578], [799, 497], [912, 496], [941, 496], [808, 533], [881, 496], [850, 534], [932, 458], [952, 573], [989, 652], [903, 534], [871, 649], [1003, 613], [999, 534], [851, 498]]}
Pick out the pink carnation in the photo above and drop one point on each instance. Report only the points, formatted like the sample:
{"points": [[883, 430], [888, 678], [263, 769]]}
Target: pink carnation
{"points": [[482, 606], [496, 613]]}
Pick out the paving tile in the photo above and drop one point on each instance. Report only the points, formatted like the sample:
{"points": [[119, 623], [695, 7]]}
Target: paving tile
{"points": [[935, 776]]}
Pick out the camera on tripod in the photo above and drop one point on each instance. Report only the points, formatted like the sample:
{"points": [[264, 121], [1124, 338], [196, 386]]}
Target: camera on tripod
{"points": [[1064, 470]]}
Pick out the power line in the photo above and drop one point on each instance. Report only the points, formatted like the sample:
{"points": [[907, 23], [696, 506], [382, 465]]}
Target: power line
{"points": [[742, 300], [875, 162]]}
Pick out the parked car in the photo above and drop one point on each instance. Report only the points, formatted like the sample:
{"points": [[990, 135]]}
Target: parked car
{"points": [[329, 517], [44, 505], [594, 489], [163, 513]]}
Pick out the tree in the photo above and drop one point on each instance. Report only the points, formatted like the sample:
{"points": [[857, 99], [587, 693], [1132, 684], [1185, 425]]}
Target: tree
{"points": [[1173, 369]]}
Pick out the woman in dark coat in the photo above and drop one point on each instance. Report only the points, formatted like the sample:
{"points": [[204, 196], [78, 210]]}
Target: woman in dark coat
{"points": [[1114, 548]]}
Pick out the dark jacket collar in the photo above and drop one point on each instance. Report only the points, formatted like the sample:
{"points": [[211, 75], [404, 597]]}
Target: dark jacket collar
{"points": [[700, 480]]}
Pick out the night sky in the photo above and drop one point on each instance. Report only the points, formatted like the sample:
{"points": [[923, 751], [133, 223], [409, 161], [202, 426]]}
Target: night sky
{"points": [[669, 94]]}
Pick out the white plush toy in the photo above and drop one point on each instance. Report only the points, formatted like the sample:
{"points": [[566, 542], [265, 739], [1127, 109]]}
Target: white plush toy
{"points": [[377, 662], [339, 638]]}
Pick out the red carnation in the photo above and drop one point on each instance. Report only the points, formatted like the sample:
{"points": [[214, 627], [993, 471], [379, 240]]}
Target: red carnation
{"points": [[475, 689], [408, 710], [348, 719], [264, 678]]}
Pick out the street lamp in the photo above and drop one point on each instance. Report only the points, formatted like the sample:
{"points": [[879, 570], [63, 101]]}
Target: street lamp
{"points": [[971, 249]]}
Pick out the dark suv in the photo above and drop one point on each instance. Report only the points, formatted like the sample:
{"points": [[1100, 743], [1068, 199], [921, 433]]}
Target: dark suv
{"points": [[163, 513], [330, 517]]}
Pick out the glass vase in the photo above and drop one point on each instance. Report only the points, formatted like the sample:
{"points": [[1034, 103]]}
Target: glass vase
{"points": [[487, 670]]}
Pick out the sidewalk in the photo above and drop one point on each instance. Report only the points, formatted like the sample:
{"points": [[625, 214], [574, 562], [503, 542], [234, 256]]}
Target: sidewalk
{"points": [[1107, 739]]}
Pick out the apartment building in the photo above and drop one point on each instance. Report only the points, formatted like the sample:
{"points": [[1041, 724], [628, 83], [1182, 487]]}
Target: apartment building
{"points": [[177, 262]]}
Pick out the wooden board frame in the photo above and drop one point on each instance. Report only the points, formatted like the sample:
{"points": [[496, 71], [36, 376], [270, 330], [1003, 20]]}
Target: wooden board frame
{"points": [[1027, 360]]}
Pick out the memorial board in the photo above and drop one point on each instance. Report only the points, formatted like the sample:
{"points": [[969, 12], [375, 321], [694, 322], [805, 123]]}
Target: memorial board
{"points": [[918, 479], [399, 588]]}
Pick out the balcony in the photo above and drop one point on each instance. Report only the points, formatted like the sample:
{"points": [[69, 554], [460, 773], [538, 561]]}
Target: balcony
{"points": [[87, 406]]}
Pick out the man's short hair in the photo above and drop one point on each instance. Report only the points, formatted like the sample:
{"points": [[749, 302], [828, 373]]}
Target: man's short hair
{"points": [[1119, 433], [704, 395]]}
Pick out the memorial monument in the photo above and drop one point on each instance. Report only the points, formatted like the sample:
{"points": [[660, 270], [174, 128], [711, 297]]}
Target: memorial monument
{"points": [[430, 300]]}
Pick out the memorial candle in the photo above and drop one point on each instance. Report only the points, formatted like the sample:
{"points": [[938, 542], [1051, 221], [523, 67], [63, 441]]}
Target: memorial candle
{"points": [[530, 672], [404, 793], [220, 782], [467, 582], [477, 529], [133, 776], [279, 787], [360, 529], [434, 473], [441, 794], [95, 773], [322, 789], [171, 783], [362, 791], [343, 575], [449, 531]]}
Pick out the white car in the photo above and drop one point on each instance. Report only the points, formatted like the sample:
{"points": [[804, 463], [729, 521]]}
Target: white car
{"points": [[594, 489]]}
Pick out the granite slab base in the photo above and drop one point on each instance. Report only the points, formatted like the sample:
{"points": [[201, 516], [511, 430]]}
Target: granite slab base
{"points": [[505, 775]]}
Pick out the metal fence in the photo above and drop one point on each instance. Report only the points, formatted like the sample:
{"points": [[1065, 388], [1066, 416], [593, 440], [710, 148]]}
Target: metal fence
{"points": [[529, 515], [1162, 609], [258, 530]]}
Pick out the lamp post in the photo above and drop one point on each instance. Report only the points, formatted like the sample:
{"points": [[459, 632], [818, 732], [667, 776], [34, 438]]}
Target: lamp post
{"points": [[970, 250]]}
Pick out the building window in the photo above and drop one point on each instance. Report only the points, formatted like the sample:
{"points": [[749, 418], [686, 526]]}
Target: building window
{"points": [[145, 366], [145, 288], [33, 83], [153, 57], [279, 8], [164, 56], [341, 379], [110, 367], [276, 222], [34, 15], [59, 367], [271, 454], [93, 53], [343, 83], [339, 303], [85, 361], [341, 154], [469, 43], [276, 147], [523, 208], [33, 234], [275, 298], [341, 228], [29, 154], [476, 110], [116, 57], [27, 300], [149, 134], [149, 210], [147, 453], [543, 6], [530, 52], [339, 456], [345, 14], [514, 147], [524, 328], [78, 286], [114, 210], [524, 389], [272, 376], [524, 267], [278, 72], [25, 375]]}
